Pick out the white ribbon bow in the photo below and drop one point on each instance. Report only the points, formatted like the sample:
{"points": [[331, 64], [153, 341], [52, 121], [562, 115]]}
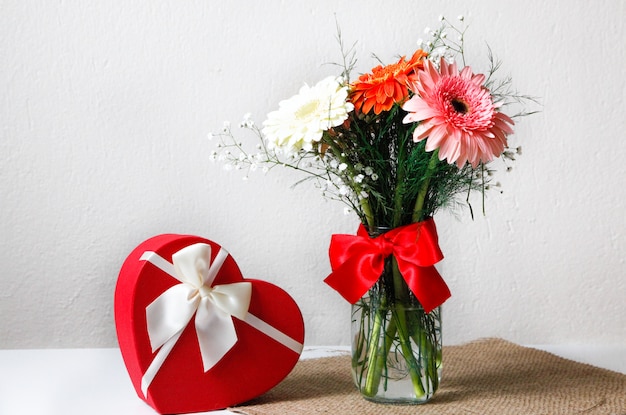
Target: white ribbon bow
{"points": [[169, 314]]}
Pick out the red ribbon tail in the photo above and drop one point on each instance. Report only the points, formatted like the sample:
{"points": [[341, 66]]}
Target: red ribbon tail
{"points": [[438, 295], [428, 286]]}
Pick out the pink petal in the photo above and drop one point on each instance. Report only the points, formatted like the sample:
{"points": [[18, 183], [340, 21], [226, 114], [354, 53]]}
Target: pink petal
{"points": [[466, 73], [411, 117], [420, 108], [471, 147], [449, 150], [422, 131], [448, 69]]}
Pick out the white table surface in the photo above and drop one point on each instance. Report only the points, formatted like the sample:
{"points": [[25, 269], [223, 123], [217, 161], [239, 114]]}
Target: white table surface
{"points": [[95, 382]]}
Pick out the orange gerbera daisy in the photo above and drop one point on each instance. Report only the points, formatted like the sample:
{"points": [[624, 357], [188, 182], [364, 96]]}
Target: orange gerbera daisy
{"points": [[386, 85]]}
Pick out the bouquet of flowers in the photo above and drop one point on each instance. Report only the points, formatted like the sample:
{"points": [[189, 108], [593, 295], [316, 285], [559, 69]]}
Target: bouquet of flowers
{"points": [[395, 145]]}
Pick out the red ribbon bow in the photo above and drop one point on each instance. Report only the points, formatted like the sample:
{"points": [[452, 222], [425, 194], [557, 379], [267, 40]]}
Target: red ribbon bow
{"points": [[357, 262]]}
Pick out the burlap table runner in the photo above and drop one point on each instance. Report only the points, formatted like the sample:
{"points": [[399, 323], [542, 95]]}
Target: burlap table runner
{"points": [[485, 377]]}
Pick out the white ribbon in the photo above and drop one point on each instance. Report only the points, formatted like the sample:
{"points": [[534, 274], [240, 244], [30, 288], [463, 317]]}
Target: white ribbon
{"points": [[169, 314]]}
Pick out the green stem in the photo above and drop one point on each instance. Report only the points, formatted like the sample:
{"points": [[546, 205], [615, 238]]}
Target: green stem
{"points": [[399, 192], [418, 213], [427, 339], [407, 351], [367, 211], [376, 353], [371, 381], [401, 293]]}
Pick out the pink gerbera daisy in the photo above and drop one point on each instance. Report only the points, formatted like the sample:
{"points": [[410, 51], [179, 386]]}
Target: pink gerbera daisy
{"points": [[457, 115]]}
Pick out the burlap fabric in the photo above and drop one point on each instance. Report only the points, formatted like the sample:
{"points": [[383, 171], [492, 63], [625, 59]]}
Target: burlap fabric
{"points": [[485, 377]]}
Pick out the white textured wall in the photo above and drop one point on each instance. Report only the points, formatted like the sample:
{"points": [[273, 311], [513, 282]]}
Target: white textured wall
{"points": [[104, 112]]}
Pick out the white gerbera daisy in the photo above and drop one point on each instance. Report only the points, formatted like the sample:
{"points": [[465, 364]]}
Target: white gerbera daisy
{"points": [[301, 120]]}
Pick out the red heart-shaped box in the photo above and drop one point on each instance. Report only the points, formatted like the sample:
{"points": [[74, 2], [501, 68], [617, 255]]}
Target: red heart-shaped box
{"points": [[255, 364]]}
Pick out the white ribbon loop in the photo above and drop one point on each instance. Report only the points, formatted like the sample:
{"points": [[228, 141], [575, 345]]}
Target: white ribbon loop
{"points": [[169, 314]]}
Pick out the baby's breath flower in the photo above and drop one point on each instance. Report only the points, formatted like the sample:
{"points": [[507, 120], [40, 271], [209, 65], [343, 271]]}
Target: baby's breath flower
{"points": [[247, 121]]}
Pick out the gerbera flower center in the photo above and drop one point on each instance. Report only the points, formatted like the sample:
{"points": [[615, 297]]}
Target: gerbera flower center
{"points": [[465, 104], [388, 72], [459, 105], [308, 109]]}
